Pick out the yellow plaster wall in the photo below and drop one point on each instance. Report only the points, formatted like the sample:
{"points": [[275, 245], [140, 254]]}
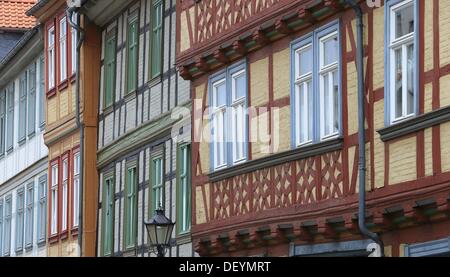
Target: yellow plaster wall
{"points": [[445, 146], [201, 210], [378, 43], [428, 98], [428, 152], [184, 32], [259, 83], [282, 134], [281, 74], [205, 135], [445, 89], [378, 144], [444, 32], [259, 135], [428, 35], [64, 102], [402, 161], [52, 114], [352, 98]]}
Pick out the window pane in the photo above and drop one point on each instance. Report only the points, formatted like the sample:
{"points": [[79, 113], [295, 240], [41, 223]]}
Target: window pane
{"points": [[239, 86], [410, 80], [305, 111], [220, 94], [32, 99], [306, 60], [326, 105], [404, 21], [398, 83], [335, 102], [330, 48], [41, 92]]}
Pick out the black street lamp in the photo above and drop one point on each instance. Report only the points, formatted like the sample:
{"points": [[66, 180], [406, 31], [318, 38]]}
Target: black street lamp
{"points": [[159, 230]]}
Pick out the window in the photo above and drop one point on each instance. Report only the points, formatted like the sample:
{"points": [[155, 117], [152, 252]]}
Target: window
{"points": [[76, 189], [2, 123], [401, 60], [229, 112], [132, 54], [32, 100], [1, 227], [65, 192], [316, 87], [62, 49], [184, 190], [130, 212], [108, 215], [54, 200], [51, 57], [29, 215], [110, 69], [7, 226], [10, 118], [19, 219], [41, 93], [74, 41], [157, 175], [22, 107], [156, 37], [42, 211]]}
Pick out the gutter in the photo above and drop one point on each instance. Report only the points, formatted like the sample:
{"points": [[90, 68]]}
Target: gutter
{"points": [[361, 129], [80, 125]]}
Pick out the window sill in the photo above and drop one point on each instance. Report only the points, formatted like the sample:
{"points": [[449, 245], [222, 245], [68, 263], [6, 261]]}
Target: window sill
{"points": [[31, 135], [19, 251], [28, 248], [22, 141], [106, 111], [10, 150], [155, 80], [129, 96], [53, 239], [184, 238], [51, 93], [74, 232], [63, 85], [41, 243], [415, 124], [278, 158], [64, 235], [73, 78]]}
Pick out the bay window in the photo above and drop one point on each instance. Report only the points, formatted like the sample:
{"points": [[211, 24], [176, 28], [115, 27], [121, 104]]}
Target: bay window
{"points": [[401, 60], [316, 112], [228, 102]]}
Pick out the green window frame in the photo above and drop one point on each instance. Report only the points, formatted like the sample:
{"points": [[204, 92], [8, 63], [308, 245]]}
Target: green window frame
{"points": [[183, 189], [156, 38], [110, 69], [132, 53], [108, 215], [157, 183], [130, 208]]}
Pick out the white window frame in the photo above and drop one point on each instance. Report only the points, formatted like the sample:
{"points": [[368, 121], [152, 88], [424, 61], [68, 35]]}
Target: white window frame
{"points": [[7, 221], [51, 63], [54, 200], [74, 42], [65, 194], [329, 70], [395, 44], [185, 224], [228, 149], [219, 125], [63, 49], [29, 215], [76, 189]]}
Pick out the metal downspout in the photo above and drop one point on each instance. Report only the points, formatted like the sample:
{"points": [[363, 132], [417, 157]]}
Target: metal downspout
{"points": [[80, 125], [361, 129]]}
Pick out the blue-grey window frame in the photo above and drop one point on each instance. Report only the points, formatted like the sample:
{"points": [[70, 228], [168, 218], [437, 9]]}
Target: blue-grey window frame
{"points": [[314, 38], [387, 72], [20, 231], [226, 74], [7, 252], [42, 218], [429, 248], [29, 239], [1, 227]]}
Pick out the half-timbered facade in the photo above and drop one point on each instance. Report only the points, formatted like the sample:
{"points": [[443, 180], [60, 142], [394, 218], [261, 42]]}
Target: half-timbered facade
{"points": [[143, 141], [23, 154], [275, 125], [68, 217]]}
